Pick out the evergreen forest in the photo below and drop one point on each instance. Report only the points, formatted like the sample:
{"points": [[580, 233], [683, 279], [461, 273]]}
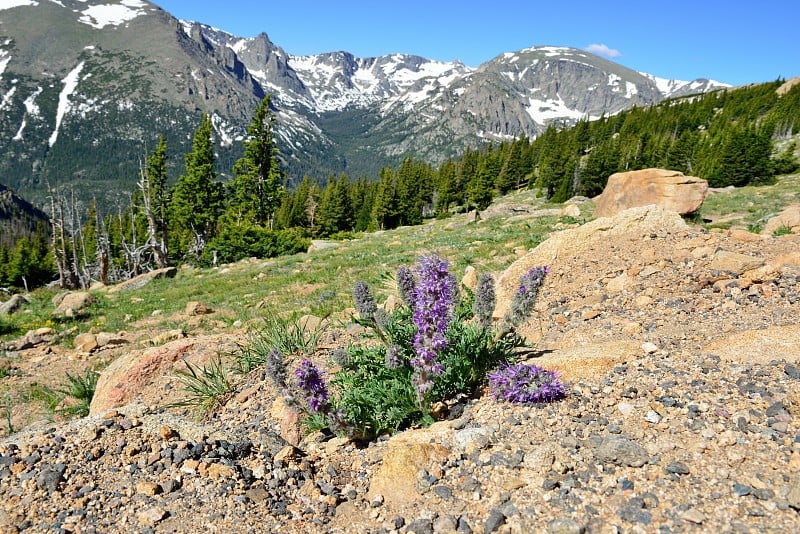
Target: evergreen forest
{"points": [[735, 137]]}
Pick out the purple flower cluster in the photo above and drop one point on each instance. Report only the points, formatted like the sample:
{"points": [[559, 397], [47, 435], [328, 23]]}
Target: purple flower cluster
{"points": [[435, 297], [364, 301], [485, 300], [524, 300], [525, 384], [406, 285], [310, 382]]}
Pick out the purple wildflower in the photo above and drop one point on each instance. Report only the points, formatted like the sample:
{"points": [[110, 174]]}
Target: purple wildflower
{"points": [[364, 301], [525, 384], [434, 299], [313, 386], [524, 300], [484, 304], [276, 368], [406, 285]]}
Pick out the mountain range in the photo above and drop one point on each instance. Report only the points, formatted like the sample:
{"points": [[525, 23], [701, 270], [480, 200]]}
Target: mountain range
{"points": [[86, 86]]}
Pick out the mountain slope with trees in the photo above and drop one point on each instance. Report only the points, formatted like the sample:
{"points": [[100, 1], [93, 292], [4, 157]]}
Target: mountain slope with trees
{"points": [[85, 99], [730, 137]]}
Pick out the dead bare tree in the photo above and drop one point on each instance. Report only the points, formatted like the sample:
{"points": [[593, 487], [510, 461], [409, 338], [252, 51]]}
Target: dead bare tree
{"points": [[156, 226], [68, 277]]}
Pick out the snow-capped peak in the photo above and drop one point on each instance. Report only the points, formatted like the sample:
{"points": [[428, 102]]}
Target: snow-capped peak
{"points": [[101, 15]]}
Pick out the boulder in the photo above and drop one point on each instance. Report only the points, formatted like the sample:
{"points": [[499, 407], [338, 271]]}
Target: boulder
{"points": [[758, 346], [146, 374], [788, 218], [85, 342], [734, 263], [144, 279], [671, 190], [470, 279], [561, 246], [13, 304], [406, 454], [69, 304], [194, 308], [33, 338]]}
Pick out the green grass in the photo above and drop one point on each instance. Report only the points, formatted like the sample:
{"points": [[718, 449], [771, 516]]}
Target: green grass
{"points": [[751, 206], [322, 282], [206, 387], [76, 390]]}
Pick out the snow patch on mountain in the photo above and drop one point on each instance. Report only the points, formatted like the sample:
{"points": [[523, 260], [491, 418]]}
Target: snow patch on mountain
{"points": [[10, 4], [64, 105], [5, 57], [670, 87], [7, 98], [100, 16], [31, 109], [542, 111], [336, 81]]}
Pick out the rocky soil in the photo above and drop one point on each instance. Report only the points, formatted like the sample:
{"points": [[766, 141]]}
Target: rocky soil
{"points": [[681, 349]]}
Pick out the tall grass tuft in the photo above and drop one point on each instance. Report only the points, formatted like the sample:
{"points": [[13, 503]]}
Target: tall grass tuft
{"points": [[207, 387]]}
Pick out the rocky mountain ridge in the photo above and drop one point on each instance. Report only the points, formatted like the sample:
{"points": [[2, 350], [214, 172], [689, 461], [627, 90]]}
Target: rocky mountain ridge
{"points": [[81, 106]]}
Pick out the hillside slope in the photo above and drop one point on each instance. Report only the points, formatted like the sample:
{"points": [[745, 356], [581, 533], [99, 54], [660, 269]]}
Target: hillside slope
{"points": [[678, 345]]}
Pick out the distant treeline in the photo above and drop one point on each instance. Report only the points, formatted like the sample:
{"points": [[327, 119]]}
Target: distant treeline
{"points": [[727, 137]]}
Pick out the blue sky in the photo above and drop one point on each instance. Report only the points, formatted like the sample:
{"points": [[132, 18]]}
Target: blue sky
{"points": [[733, 41]]}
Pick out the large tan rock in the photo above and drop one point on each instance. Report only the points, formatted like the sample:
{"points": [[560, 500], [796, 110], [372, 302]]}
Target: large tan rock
{"points": [[672, 190], [69, 304], [120, 382], [759, 346], [587, 360], [406, 454], [561, 246], [143, 374], [788, 218]]}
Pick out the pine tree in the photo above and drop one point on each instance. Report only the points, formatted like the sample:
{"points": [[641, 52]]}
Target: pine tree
{"points": [[384, 207], [196, 199], [257, 186], [480, 188]]}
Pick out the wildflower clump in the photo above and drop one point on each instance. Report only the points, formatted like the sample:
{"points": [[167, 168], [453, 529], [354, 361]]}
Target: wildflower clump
{"points": [[525, 384], [312, 385], [439, 345]]}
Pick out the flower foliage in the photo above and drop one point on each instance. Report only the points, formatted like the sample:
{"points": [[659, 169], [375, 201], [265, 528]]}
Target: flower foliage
{"points": [[364, 301], [485, 300], [525, 384], [524, 300], [406, 285]]}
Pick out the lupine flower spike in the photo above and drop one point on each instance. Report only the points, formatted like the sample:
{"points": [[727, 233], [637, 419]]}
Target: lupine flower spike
{"points": [[434, 299], [524, 300], [485, 301], [310, 382]]}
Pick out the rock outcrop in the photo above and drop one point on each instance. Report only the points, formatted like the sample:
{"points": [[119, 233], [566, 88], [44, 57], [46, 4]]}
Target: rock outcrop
{"points": [[561, 246], [144, 279], [671, 190], [788, 218]]}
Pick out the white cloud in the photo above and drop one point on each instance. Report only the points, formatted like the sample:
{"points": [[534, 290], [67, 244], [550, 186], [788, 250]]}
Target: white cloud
{"points": [[603, 50]]}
